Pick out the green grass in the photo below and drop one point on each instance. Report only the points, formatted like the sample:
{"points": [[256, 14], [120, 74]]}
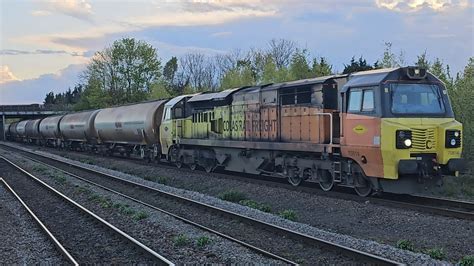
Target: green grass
{"points": [[203, 241], [40, 168], [181, 240], [255, 205], [467, 261], [436, 253], [405, 245], [288, 214], [124, 209], [140, 215], [58, 177], [232, 196]]}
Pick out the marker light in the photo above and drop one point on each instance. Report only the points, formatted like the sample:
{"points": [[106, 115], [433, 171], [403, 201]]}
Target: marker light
{"points": [[453, 142], [456, 134]]}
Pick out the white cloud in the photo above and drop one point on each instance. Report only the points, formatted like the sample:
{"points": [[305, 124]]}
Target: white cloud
{"points": [[415, 5], [6, 75], [221, 34], [34, 90], [79, 9], [40, 13]]}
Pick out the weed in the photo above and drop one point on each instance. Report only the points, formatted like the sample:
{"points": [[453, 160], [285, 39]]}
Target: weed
{"points": [[140, 215], [124, 209], [59, 177], [288, 214], [405, 245], [202, 241], [232, 196], [40, 168], [181, 240], [149, 178], [162, 180], [467, 261], [436, 253], [83, 190], [255, 205]]}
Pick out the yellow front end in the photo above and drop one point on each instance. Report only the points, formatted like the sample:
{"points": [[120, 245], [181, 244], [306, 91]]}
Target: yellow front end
{"points": [[428, 136]]}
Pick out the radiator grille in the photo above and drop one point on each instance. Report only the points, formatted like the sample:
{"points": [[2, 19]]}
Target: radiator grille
{"points": [[423, 139]]}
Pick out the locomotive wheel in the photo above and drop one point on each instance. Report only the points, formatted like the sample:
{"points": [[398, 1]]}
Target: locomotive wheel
{"points": [[362, 186], [326, 180], [293, 178]]}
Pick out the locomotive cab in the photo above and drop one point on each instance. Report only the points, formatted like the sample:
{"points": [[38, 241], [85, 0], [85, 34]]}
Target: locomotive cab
{"points": [[398, 125]]}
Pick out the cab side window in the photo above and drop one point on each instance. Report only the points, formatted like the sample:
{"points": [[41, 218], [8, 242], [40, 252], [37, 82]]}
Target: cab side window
{"points": [[368, 103], [355, 100], [361, 100]]}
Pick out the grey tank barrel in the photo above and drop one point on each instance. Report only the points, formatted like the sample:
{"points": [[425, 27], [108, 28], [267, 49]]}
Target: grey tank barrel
{"points": [[79, 126], [49, 127], [21, 128], [32, 129], [134, 124]]}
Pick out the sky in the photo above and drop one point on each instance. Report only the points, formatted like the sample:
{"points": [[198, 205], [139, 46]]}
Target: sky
{"points": [[45, 45]]}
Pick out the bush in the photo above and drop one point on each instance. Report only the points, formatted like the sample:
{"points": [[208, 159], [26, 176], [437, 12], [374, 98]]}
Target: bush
{"points": [[405, 245], [467, 261], [202, 241], [436, 253], [255, 205], [232, 196], [181, 240], [288, 214]]}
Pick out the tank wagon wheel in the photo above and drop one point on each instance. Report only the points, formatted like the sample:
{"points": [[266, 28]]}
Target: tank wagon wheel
{"points": [[362, 185], [209, 167], [193, 166], [326, 180]]}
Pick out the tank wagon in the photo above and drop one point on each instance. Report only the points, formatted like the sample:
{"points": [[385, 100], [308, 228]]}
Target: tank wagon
{"points": [[33, 134], [130, 128], [384, 130], [21, 130], [50, 132], [78, 130], [12, 131], [6, 131]]}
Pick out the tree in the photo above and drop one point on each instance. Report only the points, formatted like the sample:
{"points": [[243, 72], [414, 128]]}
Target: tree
{"points": [[49, 99], [281, 51], [462, 97], [125, 71], [355, 66], [240, 76], [321, 67], [423, 61], [299, 67]]}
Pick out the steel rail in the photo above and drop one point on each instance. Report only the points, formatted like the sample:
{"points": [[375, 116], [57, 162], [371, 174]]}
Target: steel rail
{"points": [[185, 220], [48, 233], [137, 243], [362, 255]]}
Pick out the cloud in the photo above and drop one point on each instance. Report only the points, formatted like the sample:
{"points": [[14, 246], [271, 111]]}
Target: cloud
{"points": [[79, 9], [221, 34], [34, 90], [6, 75], [43, 52], [416, 5]]}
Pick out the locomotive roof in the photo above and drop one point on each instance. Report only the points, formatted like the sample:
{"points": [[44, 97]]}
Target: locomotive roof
{"points": [[367, 78], [305, 82], [215, 96], [177, 99]]}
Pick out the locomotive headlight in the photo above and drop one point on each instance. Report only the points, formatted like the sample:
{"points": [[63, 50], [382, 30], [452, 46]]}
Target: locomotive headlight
{"points": [[403, 139], [453, 139], [407, 142]]}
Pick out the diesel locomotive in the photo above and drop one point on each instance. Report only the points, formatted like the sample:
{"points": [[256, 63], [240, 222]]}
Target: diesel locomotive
{"points": [[383, 130]]}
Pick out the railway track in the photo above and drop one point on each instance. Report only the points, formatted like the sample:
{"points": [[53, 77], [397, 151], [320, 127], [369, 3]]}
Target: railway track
{"points": [[437, 206], [271, 240], [79, 234]]}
